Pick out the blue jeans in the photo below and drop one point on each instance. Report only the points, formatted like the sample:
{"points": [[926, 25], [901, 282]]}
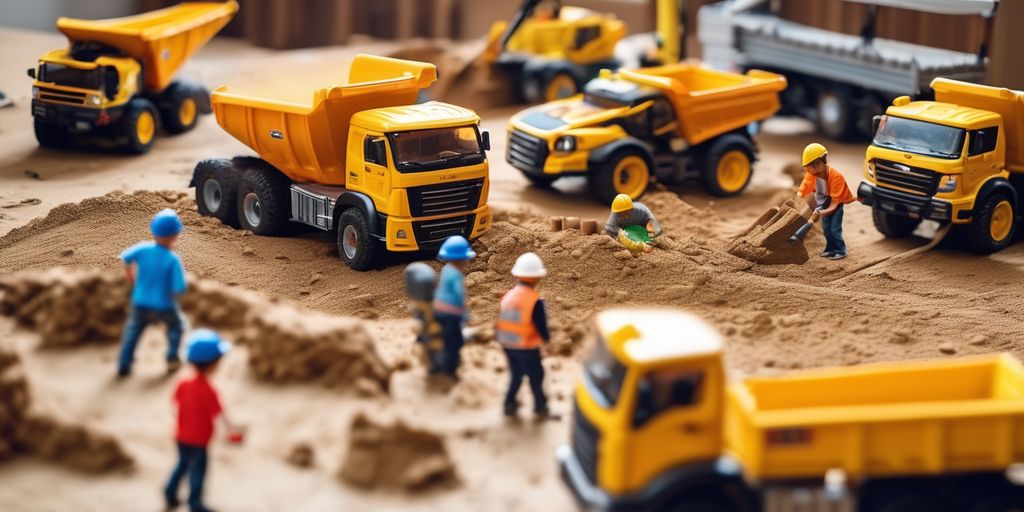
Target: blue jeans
{"points": [[138, 319], [451, 334], [526, 363], [832, 226], [191, 460]]}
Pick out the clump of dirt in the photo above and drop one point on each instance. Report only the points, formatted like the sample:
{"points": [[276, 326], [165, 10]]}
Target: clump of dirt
{"points": [[767, 242], [384, 455], [24, 431], [301, 456]]}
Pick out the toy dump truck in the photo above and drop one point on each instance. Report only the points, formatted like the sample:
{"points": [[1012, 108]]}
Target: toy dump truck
{"points": [[116, 79], [958, 159], [362, 160], [675, 122], [657, 426]]}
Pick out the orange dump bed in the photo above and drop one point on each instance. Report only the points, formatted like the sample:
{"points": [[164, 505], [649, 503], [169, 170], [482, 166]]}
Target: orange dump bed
{"points": [[163, 40], [1006, 102]]}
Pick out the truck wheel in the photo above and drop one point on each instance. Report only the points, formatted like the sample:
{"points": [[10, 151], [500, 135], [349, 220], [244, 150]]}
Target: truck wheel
{"points": [[180, 107], [626, 172], [728, 165], [912, 502], [702, 504], [835, 112], [993, 226], [559, 85], [262, 201], [356, 245], [216, 184], [50, 135], [139, 125], [892, 225]]}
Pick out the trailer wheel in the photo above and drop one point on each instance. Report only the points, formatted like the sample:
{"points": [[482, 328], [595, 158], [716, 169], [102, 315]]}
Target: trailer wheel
{"points": [[626, 172], [892, 225], [356, 245], [180, 107], [139, 125], [728, 165], [216, 183], [993, 225], [50, 135], [835, 112], [262, 201], [559, 85]]}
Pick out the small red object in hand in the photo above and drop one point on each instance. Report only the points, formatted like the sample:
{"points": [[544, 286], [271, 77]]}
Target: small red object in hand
{"points": [[236, 437]]}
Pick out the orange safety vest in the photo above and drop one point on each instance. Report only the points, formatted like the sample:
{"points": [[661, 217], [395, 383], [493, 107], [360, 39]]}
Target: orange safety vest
{"points": [[515, 327]]}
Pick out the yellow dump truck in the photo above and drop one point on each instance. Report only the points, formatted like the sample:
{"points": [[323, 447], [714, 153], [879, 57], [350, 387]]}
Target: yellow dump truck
{"points": [[673, 122], [958, 159], [658, 427], [361, 159], [116, 79]]}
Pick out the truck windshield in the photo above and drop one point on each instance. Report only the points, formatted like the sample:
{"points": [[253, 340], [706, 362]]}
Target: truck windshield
{"points": [[71, 77], [919, 137], [436, 148], [604, 374]]}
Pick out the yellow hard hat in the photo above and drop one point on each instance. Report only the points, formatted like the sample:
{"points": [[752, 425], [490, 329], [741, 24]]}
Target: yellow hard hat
{"points": [[622, 203], [812, 152]]}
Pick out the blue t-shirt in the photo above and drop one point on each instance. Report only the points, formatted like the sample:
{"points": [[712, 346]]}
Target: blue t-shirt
{"points": [[450, 289], [159, 275]]}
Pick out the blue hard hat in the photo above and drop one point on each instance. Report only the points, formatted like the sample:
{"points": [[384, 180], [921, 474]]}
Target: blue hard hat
{"points": [[456, 248], [206, 346], [165, 223]]}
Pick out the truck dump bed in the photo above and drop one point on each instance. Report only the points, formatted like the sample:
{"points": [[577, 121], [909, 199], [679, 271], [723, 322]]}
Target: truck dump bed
{"points": [[163, 40], [307, 142], [709, 103], [1006, 102], [880, 420]]}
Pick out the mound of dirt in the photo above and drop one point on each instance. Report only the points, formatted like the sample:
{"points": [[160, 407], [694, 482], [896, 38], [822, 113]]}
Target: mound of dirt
{"points": [[395, 456], [14, 401], [767, 240]]}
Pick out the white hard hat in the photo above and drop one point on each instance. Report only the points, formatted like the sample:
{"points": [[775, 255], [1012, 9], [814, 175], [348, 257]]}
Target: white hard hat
{"points": [[529, 265]]}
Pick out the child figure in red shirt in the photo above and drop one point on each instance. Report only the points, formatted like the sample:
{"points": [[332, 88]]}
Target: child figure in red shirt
{"points": [[198, 407]]}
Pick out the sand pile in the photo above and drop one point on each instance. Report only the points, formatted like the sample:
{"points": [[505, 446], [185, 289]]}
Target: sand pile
{"points": [[395, 456], [23, 431], [766, 241]]}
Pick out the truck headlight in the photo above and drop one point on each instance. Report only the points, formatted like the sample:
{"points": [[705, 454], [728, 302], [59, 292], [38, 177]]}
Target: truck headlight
{"points": [[869, 168], [948, 183], [565, 144], [94, 99]]}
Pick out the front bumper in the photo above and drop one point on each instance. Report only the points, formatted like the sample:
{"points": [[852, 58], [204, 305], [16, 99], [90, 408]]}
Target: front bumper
{"points": [[908, 205], [532, 155], [588, 496], [71, 116], [418, 235]]}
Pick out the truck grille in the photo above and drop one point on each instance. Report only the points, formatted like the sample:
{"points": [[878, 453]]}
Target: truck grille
{"points": [[71, 97], [430, 232], [459, 196], [911, 179], [584, 442], [526, 151]]}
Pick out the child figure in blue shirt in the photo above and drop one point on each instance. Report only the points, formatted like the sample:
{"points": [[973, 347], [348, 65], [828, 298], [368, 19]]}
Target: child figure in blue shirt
{"points": [[157, 279]]}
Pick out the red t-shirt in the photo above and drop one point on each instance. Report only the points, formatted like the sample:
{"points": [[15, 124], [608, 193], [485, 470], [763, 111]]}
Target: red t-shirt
{"points": [[198, 406]]}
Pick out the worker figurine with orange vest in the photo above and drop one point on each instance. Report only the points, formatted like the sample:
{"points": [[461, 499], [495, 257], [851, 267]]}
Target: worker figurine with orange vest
{"points": [[521, 330], [826, 191], [450, 300], [632, 224]]}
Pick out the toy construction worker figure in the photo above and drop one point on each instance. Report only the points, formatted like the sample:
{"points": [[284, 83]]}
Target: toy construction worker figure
{"points": [[450, 300], [632, 224], [521, 330], [157, 278], [830, 193], [198, 407], [420, 282]]}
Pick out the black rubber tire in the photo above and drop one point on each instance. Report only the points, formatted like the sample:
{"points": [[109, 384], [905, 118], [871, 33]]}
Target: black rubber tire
{"points": [[366, 246], [704, 503], [871, 106], [557, 75], [50, 135], [217, 180], [540, 181], [911, 502], [135, 108], [270, 190], [840, 125], [714, 152], [979, 237], [171, 101], [893, 226], [601, 181]]}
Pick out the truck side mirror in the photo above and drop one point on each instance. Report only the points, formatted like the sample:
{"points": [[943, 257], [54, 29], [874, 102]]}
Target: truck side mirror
{"points": [[32, 73], [111, 82], [380, 151], [876, 121], [485, 140]]}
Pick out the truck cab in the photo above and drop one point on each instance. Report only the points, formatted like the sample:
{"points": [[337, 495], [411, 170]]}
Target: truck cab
{"points": [[954, 160]]}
